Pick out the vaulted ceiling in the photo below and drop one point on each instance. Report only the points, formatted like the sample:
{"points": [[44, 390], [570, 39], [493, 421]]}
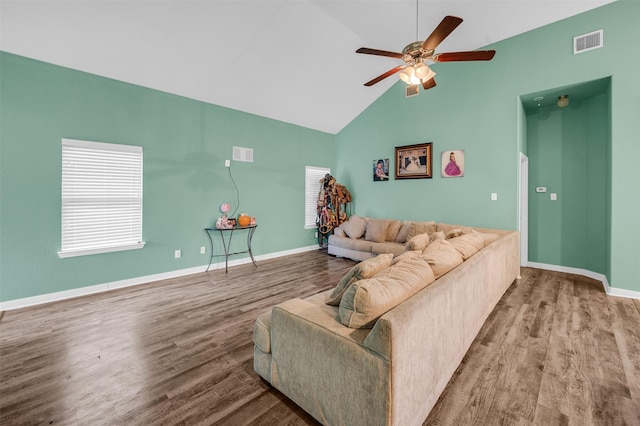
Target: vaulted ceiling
{"points": [[289, 60]]}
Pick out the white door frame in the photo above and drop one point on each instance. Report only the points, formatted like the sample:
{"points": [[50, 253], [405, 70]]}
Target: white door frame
{"points": [[524, 210]]}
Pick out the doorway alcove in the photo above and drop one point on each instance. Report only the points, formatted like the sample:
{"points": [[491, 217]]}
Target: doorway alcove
{"points": [[569, 190]]}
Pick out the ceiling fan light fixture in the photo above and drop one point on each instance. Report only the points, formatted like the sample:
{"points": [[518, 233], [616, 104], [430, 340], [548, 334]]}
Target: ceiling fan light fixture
{"points": [[408, 74], [428, 75], [563, 101], [421, 70]]}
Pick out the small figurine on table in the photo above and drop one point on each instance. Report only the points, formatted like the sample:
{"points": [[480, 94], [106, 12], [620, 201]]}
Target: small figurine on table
{"points": [[223, 221]]}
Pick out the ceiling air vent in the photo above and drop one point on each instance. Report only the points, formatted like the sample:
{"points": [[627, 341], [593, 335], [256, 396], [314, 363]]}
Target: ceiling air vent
{"points": [[411, 90], [242, 154], [586, 42]]}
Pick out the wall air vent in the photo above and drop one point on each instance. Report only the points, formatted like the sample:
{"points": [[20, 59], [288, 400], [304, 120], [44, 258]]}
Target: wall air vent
{"points": [[586, 42], [242, 154]]}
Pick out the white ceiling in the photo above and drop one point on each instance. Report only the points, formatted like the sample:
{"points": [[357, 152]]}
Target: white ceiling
{"points": [[289, 60]]}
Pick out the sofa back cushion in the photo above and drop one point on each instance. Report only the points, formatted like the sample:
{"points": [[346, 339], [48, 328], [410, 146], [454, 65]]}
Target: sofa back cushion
{"points": [[366, 300], [468, 244], [403, 232], [354, 227], [442, 257], [365, 269], [418, 228], [376, 230], [393, 229]]}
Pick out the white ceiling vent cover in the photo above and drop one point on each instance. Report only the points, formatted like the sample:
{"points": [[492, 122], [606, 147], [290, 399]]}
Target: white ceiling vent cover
{"points": [[242, 154], [586, 42]]}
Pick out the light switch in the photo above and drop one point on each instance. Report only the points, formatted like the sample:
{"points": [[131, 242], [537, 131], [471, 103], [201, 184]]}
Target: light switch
{"points": [[494, 196], [554, 196]]}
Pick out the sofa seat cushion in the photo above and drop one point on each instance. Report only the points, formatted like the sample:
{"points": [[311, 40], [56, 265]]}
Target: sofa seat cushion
{"points": [[442, 257], [349, 243], [354, 227], [366, 300], [387, 247], [262, 332], [365, 269]]}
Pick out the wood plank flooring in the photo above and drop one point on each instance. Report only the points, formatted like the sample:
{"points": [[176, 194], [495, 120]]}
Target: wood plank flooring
{"points": [[556, 350]]}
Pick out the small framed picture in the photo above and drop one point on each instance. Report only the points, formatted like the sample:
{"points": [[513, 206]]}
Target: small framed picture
{"points": [[381, 170], [453, 163], [414, 161]]}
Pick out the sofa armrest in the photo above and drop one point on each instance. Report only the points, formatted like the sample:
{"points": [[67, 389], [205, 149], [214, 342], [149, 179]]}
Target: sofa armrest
{"points": [[324, 367]]}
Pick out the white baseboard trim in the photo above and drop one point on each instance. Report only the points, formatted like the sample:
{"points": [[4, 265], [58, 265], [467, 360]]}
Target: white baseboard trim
{"points": [[99, 288], [611, 291]]}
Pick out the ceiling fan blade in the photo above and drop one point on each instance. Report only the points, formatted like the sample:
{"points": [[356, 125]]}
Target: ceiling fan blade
{"points": [[385, 75], [368, 51], [448, 24], [429, 84], [474, 55]]}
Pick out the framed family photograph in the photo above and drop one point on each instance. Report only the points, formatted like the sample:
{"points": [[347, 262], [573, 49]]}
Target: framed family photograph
{"points": [[414, 161], [381, 170]]}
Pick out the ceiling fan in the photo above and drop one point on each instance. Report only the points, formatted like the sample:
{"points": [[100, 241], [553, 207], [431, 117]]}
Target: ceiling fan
{"points": [[415, 71]]}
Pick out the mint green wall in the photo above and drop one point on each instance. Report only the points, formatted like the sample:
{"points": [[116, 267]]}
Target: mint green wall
{"points": [[474, 107], [185, 144], [568, 156]]}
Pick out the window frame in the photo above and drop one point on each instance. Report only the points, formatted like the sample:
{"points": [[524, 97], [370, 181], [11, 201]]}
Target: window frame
{"points": [[104, 175]]}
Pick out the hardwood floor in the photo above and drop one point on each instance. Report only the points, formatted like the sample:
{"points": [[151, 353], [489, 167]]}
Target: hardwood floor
{"points": [[556, 350]]}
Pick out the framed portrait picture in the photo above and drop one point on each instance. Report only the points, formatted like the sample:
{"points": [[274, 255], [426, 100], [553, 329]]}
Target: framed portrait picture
{"points": [[453, 163], [381, 170], [414, 161]]}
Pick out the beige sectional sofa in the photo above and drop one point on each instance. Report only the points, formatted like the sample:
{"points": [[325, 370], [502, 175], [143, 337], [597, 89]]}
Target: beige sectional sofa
{"points": [[380, 348]]}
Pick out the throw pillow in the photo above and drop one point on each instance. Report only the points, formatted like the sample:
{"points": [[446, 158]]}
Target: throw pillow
{"points": [[419, 242], [376, 230], [354, 227], [418, 228], [445, 227], [454, 233], [365, 269], [439, 235], [365, 301]]}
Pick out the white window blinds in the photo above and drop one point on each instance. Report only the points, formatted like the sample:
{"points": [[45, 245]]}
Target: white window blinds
{"points": [[101, 197], [313, 175]]}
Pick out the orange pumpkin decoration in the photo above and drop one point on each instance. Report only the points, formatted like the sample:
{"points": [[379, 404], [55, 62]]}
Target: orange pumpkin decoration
{"points": [[244, 219]]}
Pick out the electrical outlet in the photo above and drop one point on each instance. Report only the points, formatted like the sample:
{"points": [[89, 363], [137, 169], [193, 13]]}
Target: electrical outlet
{"points": [[227, 163], [203, 250], [316, 234], [494, 196], [178, 254]]}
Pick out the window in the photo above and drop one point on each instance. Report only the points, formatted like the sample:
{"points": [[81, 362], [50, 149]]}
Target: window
{"points": [[101, 197], [313, 175]]}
